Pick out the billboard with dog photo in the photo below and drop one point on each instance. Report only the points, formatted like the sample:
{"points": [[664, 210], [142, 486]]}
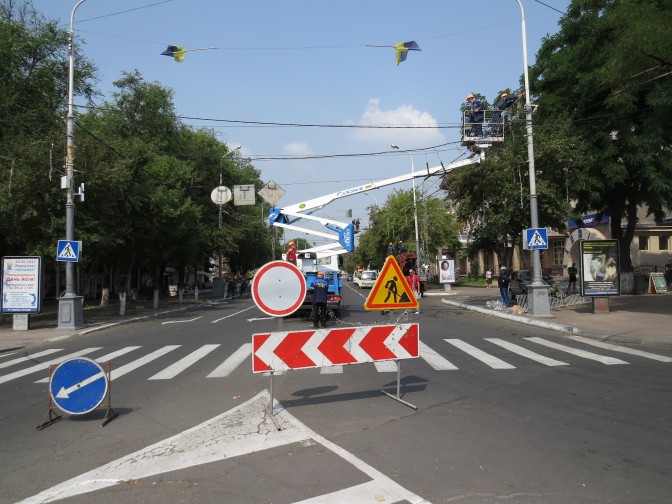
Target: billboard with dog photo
{"points": [[600, 268]]}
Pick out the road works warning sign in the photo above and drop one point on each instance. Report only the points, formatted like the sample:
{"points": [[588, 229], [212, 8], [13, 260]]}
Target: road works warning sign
{"points": [[391, 291]]}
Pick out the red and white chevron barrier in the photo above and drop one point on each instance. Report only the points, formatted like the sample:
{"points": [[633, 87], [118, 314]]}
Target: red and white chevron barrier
{"points": [[280, 351]]}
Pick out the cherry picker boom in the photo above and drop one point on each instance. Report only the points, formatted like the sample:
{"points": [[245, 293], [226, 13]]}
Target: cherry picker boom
{"points": [[343, 241]]}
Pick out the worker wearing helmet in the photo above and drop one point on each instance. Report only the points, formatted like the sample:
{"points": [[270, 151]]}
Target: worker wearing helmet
{"points": [[401, 247], [291, 253], [391, 250], [320, 301], [505, 101], [476, 115]]}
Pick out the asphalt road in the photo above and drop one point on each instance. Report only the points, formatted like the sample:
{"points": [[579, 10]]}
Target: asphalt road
{"points": [[505, 414]]}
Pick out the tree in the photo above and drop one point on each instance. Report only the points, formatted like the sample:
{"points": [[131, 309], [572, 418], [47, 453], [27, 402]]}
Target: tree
{"points": [[608, 72], [394, 222]]}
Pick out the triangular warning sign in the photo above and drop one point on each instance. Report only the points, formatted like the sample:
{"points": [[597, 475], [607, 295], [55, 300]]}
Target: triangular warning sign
{"points": [[391, 291]]}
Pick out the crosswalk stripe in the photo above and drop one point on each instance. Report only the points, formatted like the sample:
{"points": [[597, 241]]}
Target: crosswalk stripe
{"points": [[622, 349], [45, 365], [338, 369], [575, 351], [436, 361], [103, 358], [121, 371], [28, 357], [485, 358], [229, 365], [524, 352], [385, 366], [174, 369]]}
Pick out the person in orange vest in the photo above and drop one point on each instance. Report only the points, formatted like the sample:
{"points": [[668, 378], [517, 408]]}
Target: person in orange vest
{"points": [[291, 253], [414, 282]]}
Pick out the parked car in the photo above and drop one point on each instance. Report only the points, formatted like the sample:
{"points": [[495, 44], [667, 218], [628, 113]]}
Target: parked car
{"points": [[522, 278]]}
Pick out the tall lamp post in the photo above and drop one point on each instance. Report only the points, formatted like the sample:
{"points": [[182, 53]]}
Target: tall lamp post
{"points": [[220, 196], [538, 303], [70, 313], [415, 213]]}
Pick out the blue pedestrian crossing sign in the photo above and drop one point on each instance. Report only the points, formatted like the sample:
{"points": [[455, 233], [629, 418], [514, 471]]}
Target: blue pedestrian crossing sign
{"points": [[536, 239], [78, 386], [68, 250]]}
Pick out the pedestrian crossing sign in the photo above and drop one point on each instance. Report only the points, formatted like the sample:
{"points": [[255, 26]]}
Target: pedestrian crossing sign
{"points": [[536, 239], [391, 291], [68, 250]]}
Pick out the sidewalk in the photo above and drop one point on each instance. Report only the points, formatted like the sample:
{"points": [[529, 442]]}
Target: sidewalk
{"points": [[44, 325], [641, 319]]}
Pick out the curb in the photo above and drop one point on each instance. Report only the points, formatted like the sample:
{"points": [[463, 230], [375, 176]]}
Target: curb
{"points": [[514, 318]]}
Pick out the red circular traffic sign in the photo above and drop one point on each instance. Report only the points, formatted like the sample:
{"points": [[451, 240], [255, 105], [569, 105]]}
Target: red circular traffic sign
{"points": [[278, 288]]}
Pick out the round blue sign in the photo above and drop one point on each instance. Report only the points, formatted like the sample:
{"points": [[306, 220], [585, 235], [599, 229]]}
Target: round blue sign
{"points": [[78, 385]]}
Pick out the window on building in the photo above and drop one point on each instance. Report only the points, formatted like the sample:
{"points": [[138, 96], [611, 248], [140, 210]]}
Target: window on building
{"points": [[558, 252], [663, 242], [643, 243]]}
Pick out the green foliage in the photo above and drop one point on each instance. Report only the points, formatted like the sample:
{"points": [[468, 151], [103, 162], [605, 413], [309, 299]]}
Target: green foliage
{"points": [[606, 72], [394, 222]]}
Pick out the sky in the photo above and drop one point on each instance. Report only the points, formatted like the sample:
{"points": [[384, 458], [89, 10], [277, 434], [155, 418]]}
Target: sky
{"points": [[297, 85]]}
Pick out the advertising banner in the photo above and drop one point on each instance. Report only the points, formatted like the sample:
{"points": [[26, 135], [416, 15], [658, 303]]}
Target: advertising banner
{"points": [[600, 268], [21, 282], [446, 271]]}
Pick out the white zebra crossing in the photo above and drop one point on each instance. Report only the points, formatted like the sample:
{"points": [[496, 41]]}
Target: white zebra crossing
{"points": [[428, 354]]}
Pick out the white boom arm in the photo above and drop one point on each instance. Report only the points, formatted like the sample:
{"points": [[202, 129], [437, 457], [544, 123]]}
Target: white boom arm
{"points": [[343, 241]]}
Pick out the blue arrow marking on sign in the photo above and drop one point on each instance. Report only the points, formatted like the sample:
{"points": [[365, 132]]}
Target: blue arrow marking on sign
{"points": [[78, 385]]}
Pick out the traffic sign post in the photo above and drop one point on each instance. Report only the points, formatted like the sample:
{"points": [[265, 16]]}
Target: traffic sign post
{"points": [[536, 239], [279, 288], [391, 290], [78, 386]]}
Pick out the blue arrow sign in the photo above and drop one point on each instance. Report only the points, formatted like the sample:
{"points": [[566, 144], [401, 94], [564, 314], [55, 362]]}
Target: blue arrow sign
{"points": [[78, 385], [68, 251]]}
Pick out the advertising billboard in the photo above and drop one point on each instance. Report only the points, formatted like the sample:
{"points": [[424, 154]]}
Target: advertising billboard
{"points": [[446, 271], [600, 268], [21, 284]]}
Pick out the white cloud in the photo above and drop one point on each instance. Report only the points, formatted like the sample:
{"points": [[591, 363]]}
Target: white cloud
{"points": [[404, 115], [297, 149]]}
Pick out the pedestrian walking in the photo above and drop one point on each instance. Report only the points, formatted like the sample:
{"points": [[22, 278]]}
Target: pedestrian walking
{"points": [[488, 278], [572, 270], [414, 282]]}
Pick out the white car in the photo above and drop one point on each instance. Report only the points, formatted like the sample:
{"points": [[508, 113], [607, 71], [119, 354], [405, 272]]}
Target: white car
{"points": [[366, 279]]}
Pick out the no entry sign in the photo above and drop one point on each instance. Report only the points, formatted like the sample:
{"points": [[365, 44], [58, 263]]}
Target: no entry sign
{"points": [[279, 288]]}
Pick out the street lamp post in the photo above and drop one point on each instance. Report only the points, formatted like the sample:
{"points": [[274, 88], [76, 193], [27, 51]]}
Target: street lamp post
{"points": [[415, 213], [220, 196], [538, 303], [70, 313]]}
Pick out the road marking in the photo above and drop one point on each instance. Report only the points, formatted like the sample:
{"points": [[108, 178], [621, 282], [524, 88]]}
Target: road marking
{"points": [[385, 366], [121, 371], [512, 347], [233, 314], [231, 364], [485, 358], [45, 365], [622, 349], [174, 369], [29, 357], [103, 358], [435, 360], [180, 321], [337, 369], [575, 351], [244, 429]]}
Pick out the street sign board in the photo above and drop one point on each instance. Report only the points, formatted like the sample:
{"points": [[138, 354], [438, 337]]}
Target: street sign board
{"points": [[281, 351], [536, 239], [21, 284], [278, 288], [68, 250], [391, 291], [271, 193], [78, 385]]}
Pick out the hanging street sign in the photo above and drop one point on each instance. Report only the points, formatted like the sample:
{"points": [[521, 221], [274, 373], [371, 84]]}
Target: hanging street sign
{"points": [[78, 385], [391, 290], [271, 193]]}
